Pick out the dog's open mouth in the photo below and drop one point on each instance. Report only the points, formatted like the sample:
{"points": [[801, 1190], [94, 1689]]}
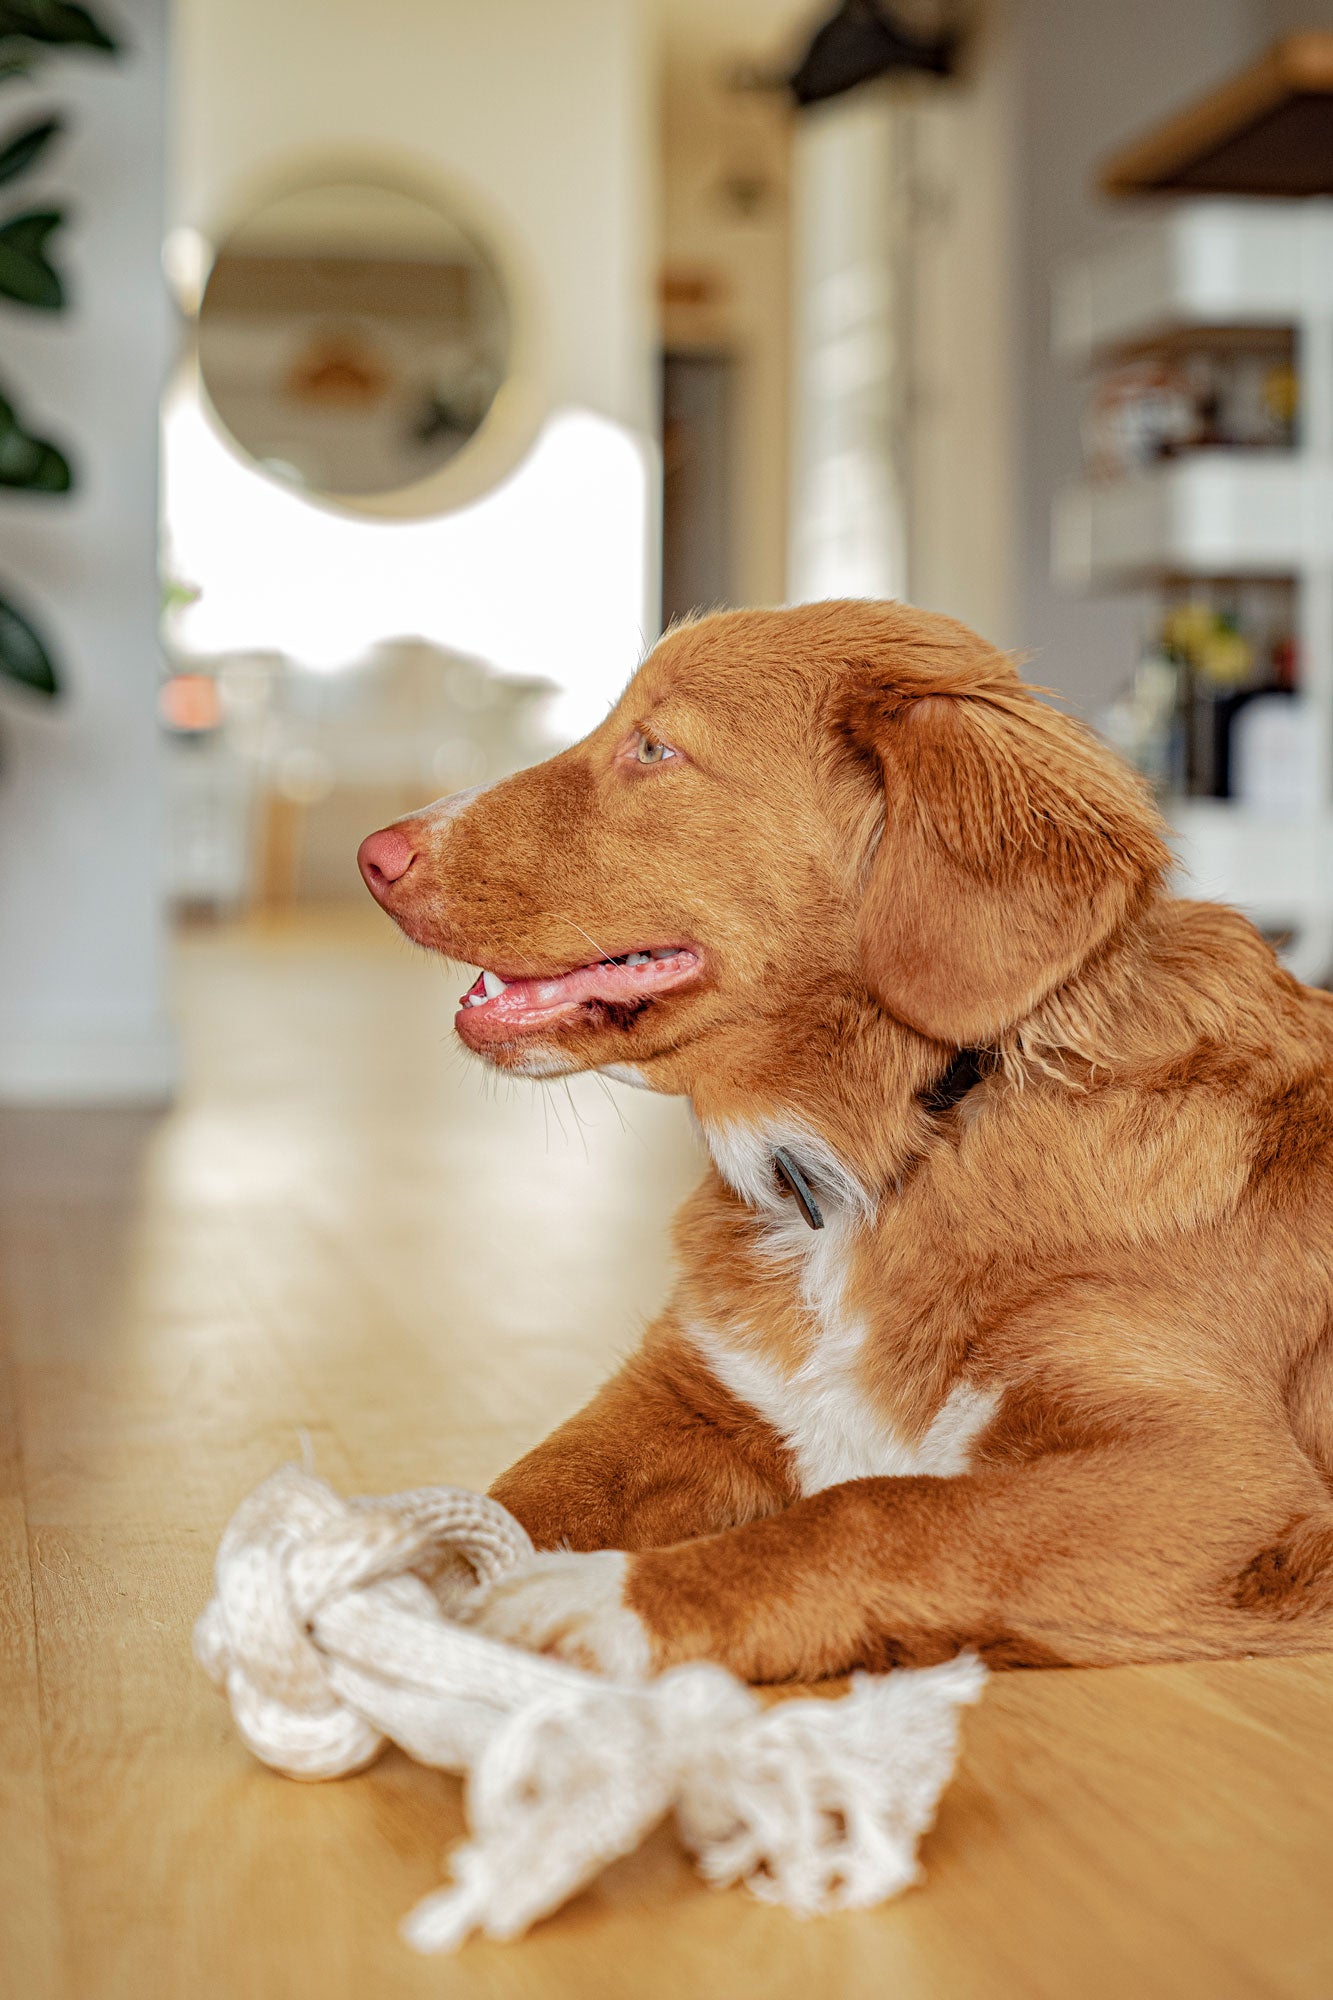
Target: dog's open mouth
{"points": [[618, 989]]}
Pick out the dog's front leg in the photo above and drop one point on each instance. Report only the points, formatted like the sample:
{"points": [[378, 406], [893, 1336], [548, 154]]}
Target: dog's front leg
{"points": [[1091, 1557], [663, 1452]]}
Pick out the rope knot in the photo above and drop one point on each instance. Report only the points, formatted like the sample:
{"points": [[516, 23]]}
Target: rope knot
{"points": [[293, 1549], [332, 1630]]}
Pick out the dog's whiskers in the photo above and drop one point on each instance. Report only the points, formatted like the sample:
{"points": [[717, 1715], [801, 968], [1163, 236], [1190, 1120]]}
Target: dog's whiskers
{"points": [[614, 1102], [578, 1121], [599, 949]]}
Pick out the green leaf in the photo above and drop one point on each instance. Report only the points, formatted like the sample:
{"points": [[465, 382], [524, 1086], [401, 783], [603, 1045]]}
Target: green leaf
{"points": [[56, 22], [30, 464], [25, 274], [23, 654], [23, 150]]}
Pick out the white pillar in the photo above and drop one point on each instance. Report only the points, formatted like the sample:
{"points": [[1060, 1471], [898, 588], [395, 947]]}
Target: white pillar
{"points": [[849, 396]]}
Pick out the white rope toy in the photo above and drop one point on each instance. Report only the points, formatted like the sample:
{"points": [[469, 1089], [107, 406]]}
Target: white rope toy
{"points": [[330, 1633]]}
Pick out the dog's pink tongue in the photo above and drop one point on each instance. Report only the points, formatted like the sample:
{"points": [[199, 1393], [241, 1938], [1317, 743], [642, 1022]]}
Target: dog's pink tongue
{"points": [[610, 981]]}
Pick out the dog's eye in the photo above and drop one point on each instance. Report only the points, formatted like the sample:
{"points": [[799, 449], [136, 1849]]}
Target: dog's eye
{"points": [[649, 751]]}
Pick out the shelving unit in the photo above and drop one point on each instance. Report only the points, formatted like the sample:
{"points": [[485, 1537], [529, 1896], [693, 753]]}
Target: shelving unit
{"points": [[1212, 272], [1267, 131]]}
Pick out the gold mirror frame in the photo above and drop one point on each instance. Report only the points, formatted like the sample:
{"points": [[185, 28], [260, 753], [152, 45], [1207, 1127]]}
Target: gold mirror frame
{"points": [[522, 400]]}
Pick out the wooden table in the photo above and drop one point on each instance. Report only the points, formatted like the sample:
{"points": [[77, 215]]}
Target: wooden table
{"points": [[342, 1231]]}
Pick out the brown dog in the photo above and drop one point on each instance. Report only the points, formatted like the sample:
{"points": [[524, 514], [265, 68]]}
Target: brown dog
{"points": [[1002, 1316]]}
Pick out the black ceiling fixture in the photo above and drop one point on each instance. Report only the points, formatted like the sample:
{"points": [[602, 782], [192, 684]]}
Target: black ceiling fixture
{"points": [[859, 42]]}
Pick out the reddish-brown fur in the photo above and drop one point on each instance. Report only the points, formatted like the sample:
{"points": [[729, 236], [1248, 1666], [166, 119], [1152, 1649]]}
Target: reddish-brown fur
{"points": [[885, 847]]}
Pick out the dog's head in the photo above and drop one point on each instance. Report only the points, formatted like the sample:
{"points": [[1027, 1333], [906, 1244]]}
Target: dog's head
{"points": [[844, 800]]}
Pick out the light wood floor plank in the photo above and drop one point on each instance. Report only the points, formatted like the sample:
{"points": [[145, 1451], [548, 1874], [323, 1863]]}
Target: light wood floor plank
{"points": [[29, 1925]]}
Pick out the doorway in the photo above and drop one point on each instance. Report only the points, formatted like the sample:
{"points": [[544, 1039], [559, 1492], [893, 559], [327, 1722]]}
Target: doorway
{"points": [[698, 395]]}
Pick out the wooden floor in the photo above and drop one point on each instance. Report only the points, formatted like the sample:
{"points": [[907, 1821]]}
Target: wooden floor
{"points": [[340, 1231]]}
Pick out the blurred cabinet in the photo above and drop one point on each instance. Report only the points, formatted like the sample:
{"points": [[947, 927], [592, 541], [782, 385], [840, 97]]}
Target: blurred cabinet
{"points": [[209, 810], [1196, 483]]}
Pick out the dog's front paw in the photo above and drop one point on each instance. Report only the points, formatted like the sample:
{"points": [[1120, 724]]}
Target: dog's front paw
{"points": [[571, 1605]]}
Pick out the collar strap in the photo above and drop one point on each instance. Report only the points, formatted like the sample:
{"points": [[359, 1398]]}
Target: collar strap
{"points": [[968, 1068], [788, 1172]]}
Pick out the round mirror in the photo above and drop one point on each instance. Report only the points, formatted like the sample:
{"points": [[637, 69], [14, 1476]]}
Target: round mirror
{"points": [[352, 338]]}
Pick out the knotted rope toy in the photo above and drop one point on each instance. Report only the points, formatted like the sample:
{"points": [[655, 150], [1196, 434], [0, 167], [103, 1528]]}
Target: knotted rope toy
{"points": [[333, 1631]]}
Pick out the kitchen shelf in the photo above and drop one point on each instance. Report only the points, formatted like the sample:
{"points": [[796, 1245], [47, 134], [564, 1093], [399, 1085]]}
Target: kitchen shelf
{"points": [[1268, 131], [1199, 266], [1211, 273], [1216, 513]]}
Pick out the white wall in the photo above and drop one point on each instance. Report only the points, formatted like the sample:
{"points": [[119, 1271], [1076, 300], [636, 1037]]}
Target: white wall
{"points": [[535, 549], [543, 110], [1286, 17], [81, 938]]}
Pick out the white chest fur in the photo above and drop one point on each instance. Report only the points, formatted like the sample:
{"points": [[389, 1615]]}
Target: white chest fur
{"points": [[821, 1406]]}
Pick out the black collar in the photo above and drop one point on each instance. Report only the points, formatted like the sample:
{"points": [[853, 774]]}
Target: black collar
{"points": [[968, 1068]]}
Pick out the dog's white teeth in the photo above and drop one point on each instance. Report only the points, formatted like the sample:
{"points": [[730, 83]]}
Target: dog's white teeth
{"points": [[636, 958], [493, 984], [474, 1000]]}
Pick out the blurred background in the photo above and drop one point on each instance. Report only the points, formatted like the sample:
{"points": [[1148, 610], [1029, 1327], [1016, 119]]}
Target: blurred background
{"points": [[376, 382]]}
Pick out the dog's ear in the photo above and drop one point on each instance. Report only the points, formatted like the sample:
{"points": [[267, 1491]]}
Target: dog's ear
{"points": [[1013, 845]]}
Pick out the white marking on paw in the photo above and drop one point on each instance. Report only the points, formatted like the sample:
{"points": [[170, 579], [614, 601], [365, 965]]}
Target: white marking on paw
{"points": [[571, 1604]]}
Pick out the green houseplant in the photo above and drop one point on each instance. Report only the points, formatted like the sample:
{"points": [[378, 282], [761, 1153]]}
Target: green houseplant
{"points": [[29, 281]]}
